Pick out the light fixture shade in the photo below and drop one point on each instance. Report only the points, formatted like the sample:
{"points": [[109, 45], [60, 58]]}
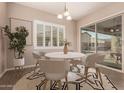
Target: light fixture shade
{"points": [[111, 30], [68, 18], [59, 16], [117, 30], [66, 13]]}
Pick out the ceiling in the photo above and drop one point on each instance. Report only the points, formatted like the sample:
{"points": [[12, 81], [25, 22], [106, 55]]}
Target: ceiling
{"points": [[107, 26], [76, 9], [110, 22], [110, 26]]}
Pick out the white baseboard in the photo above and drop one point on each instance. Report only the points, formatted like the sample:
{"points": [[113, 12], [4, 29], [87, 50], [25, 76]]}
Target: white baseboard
{"points": [[13, 69], [28, 66], [3, 73], [110, 68]]}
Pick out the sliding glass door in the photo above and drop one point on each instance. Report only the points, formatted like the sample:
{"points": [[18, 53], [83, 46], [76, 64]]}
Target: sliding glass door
{"points": [[104, 37], [88, 39], [109, 41]]}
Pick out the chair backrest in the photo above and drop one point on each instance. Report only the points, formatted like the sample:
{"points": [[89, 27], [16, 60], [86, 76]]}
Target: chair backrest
{"points": [[100, 58], [92, 59], [36, 54], [50, 66]]}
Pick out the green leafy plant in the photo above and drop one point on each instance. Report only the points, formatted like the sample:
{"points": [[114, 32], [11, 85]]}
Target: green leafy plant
{"points": [[17, 40], [67, 43]]}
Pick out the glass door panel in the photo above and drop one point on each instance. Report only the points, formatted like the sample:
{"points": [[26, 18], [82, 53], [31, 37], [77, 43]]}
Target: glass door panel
{"points": [[88, 39], [104, 37], [109, 41]]}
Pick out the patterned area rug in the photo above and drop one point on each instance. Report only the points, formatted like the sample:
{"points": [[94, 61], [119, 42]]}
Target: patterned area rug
{"points": [[33, 84], [11, 77]]}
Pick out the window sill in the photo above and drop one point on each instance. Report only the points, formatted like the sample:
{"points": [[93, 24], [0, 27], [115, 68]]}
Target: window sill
{"points": [[49, 47]]}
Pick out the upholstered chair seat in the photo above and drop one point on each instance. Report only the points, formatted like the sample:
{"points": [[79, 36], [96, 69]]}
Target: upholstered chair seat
{"points": [[90, 62], [53, 76]]}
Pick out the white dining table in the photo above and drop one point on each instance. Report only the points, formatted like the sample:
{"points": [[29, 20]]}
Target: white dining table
{"points": [[61, 55]]}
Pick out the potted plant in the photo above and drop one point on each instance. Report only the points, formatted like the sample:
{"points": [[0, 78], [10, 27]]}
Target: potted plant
{"points": [[17, 43]]}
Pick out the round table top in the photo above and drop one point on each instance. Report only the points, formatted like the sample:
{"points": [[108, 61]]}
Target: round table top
{"points": [[69, 55]]}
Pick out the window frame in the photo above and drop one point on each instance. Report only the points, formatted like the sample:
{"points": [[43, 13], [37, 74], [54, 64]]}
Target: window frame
{"points": [[35, 22]]}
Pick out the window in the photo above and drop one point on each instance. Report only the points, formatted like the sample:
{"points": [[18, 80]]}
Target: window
{"points": [[104, 37], [88, 39], [48, 35]]}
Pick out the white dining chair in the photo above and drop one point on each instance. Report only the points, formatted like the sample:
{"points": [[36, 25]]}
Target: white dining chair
{"points": [[54, 71], [90, 62], [74, 64], [100, 59], [36, 59], [36, 56]]}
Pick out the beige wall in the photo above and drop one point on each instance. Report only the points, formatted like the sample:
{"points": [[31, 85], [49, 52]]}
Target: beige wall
{"points": [[27, 13], [3, 21], [3, 14], [108, 11]]}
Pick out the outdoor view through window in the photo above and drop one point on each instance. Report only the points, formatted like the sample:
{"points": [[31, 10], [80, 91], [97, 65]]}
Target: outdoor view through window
{"points": [[104, 37]]}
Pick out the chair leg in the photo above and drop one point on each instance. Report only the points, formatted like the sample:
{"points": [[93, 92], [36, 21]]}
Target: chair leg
{"points": [[71, 68], [85, 76], [74, 66], [51, 83], [66, 79], [45, 83], [86, 72], [36, 66], [78, 69], [99, 74], [60, 84]]}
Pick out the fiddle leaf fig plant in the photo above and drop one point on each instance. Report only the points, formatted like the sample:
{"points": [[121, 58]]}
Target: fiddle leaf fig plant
{"points": [[17, 40]]}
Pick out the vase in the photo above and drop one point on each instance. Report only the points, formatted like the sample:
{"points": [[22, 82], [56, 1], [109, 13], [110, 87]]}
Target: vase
{"points": [[19, 62], [65, 50]]}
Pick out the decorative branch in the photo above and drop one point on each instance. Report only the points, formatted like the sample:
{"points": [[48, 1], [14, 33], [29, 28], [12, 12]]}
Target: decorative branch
{"points": [[1, 28]]}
